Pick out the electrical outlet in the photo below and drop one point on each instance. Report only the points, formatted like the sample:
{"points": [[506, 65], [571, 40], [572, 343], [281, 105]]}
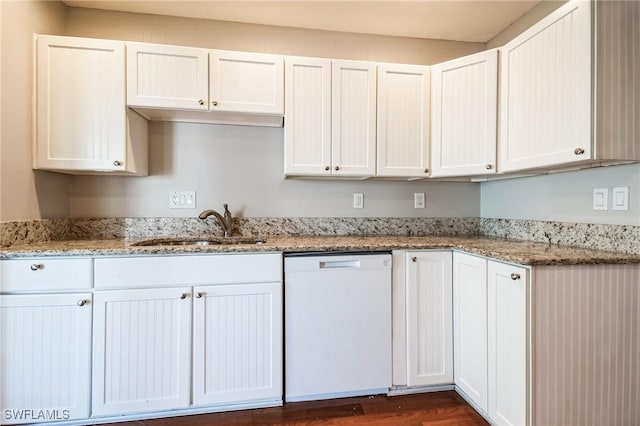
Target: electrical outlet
{"points": [[358, 200], [182, 199], [418, 200], [620, 198]]}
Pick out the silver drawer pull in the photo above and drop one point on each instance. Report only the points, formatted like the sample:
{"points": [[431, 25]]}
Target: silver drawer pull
{"points": [[184, 295], [36, 266], [200, 294], [82, 302], [578, 151], [414, 259], [515, 276]]}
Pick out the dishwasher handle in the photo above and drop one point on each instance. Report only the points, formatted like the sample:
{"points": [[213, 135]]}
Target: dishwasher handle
{"points": [[339, 264]]}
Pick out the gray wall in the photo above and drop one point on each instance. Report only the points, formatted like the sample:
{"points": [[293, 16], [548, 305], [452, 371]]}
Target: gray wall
{"points": [[562, 196], [243, 166]]}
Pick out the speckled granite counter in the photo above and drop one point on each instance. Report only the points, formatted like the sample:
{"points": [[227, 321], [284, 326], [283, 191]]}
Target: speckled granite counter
{"points": [[521, 252]]}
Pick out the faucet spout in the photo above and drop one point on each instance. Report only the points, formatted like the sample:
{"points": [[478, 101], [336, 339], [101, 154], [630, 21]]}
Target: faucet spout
{"points": [[225, 221]]}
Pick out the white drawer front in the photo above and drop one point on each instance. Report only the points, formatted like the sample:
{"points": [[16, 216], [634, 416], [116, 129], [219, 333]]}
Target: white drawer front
{"points": [[44, 274], [154, 271]]}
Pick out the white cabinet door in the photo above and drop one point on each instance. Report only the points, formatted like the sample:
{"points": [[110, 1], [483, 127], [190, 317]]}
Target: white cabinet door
{"points": [[246, 82], [237, 343], [45, 357], [161, 76], [508, 343], [403, 120], [470, 326], [141, 350], [82, 122], [307, 124], [353, 143], [429, 319], [463, 110], [545, 92]]}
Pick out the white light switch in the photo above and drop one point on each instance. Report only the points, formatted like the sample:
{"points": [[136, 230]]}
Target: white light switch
{"points": [[418, 200], [600, 198], [358, 200], [620, 198]]}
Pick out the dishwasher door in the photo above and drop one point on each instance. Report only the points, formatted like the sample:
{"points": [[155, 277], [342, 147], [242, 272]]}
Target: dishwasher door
{"points": [[337, 326]]}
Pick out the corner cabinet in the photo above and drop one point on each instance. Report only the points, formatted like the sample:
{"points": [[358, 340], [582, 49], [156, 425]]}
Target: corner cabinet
{"points": [[569, 86], [82, 122], [422, 319], [403, 121], [464, 112]]}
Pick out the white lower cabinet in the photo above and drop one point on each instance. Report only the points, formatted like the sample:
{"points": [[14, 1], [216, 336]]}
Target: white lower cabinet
{"points": [[423, 332], [470, 327], [237, 343], [508, 348], [491, 328], [214, 342], [141, 350], [45, 357]]}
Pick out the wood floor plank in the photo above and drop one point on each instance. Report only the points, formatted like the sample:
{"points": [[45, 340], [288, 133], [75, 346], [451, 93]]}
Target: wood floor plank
{"points": [[428, 409]]}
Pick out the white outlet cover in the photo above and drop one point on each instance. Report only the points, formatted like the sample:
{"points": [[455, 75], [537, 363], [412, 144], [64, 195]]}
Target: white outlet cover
{"points": [[182, 199], [620, 198], [600, 198], [418, 200]]}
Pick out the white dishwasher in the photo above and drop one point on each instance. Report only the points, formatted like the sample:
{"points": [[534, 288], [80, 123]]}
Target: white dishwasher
{"points": [[337, 325]]}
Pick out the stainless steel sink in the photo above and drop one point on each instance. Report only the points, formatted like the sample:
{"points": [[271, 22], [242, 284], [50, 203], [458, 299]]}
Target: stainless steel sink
{"points": [[190, 242]]}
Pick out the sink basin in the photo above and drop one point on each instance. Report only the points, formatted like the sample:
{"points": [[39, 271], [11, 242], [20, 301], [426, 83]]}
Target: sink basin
{"points": [[190, 242]]}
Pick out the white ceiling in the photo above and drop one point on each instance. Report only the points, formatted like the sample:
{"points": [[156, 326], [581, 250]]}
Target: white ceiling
{"points": [[468, 20]]}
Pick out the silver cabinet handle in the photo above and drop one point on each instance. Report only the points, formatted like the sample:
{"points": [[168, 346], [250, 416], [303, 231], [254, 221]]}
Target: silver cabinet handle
{"points": [[36, 266], [200, 294], [515, 276], [82, 302], [327, 168], [578, 151], [201, 102], [184, 295], [414, 259], [489, 166], [117, 163], [214, 103], [337, 168], [426, 170]]}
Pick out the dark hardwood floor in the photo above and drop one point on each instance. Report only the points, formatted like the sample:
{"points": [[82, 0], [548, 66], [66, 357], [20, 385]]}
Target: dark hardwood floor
{"points": [[436, 408]]}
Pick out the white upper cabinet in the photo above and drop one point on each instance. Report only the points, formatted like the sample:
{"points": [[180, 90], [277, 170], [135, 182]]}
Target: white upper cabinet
{"points": [[545, 92], [82, 122], [403, 120], [307, 126], [160, 76], [246, 82], [464, 111], [353, 113]]}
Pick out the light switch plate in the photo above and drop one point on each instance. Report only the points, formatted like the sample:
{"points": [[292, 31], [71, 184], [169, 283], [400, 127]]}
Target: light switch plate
{"points": [[358, 200], [600, 198], [418, 200], [182, 199], [620, 198]]}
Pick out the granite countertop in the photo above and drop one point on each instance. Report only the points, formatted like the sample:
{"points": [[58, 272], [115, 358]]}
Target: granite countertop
{"points": [[520, 252]]}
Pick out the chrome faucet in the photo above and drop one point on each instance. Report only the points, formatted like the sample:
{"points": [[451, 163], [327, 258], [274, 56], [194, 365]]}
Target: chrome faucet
{"points": [[225, 222]]}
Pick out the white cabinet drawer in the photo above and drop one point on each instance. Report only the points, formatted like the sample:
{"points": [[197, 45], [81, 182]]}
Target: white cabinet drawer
{"points": [[43, 274], [155, 271]]}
